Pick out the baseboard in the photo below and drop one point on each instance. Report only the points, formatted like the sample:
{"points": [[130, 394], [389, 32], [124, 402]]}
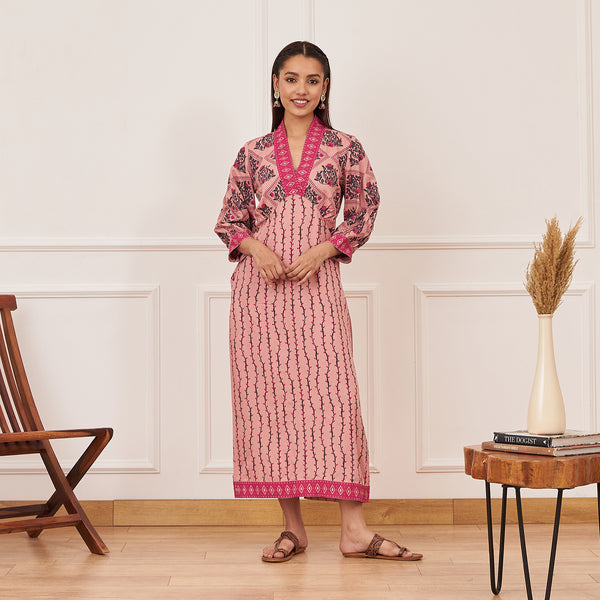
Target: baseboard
{"points": [[267, 512], [462, 511]]}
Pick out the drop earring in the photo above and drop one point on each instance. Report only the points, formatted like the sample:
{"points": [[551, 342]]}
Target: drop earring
{"points": [[322, 105], [276, 104]]}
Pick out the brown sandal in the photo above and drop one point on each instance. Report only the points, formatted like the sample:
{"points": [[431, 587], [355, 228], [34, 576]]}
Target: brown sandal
{"points": [[373, 551], [287, 554]]}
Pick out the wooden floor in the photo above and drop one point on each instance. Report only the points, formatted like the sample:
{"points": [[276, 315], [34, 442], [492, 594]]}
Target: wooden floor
{"points": [[223, 562]]}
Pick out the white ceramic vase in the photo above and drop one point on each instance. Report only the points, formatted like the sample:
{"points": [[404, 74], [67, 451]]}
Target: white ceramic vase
{"points": [[546, 415]]}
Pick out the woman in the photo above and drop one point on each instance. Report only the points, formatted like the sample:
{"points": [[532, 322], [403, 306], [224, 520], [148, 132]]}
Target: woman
{"points": [[298, 430]]}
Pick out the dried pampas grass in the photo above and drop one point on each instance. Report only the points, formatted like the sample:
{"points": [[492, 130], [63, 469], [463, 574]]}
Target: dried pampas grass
{"points": [[550, 273]]}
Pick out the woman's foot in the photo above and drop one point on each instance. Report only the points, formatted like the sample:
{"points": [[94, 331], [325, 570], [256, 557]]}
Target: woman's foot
{"points": [[358, 540], [364, 543], [285, 546]]}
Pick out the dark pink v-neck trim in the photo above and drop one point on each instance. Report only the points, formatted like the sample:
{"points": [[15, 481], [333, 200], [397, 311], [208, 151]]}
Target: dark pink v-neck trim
{"points": [[294, 181]]}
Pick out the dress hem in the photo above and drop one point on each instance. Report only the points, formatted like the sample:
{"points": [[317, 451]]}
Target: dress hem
{"points": [[336, 490]]}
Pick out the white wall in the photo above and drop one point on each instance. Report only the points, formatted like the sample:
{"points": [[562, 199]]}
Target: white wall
{"points": [[119, 120]]}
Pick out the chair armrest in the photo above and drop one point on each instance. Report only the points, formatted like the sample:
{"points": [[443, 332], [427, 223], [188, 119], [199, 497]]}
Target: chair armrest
{"points": [[36, 436]]}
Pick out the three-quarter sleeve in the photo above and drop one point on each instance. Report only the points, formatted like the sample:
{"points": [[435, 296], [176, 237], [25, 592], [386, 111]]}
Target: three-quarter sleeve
{"points": [[235, 222], [361, 201]]}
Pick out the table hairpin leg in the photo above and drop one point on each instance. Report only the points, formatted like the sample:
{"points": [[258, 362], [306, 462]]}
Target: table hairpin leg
{"points": [[598, 497], [552, 551], [496, 585]]}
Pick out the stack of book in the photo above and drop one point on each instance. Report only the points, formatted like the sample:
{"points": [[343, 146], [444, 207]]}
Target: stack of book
{"points": [[568, 444]]}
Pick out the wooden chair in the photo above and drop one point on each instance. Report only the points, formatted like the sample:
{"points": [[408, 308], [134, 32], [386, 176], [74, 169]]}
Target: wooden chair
{"points": [[22, 432]]}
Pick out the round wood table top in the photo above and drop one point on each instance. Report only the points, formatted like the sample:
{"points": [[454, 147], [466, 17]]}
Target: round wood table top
{"points": [[532, 470]]}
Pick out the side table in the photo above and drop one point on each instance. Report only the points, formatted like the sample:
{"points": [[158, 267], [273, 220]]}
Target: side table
{"points": [[534, 472]]}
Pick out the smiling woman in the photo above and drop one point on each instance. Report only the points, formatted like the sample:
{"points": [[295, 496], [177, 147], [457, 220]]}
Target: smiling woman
{"points": [[297, 423], [319, 78], [301, 86], [301, 91]]}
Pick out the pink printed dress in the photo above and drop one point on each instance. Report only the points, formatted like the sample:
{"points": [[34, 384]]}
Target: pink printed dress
{"points": [[297, 426]]}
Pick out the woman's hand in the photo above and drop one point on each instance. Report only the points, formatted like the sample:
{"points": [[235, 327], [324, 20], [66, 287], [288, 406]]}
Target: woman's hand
{"points": [[269, 265], [307, 264]]}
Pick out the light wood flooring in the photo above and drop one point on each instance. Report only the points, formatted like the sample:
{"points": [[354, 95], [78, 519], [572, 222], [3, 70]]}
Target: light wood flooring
{"points": [[160, 563]]}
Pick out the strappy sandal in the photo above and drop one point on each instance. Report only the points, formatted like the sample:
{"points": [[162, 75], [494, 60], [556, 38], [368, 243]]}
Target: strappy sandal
{"points": [[373, 551], [287, 554]]}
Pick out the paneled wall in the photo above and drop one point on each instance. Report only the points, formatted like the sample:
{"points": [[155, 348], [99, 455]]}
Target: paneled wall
{"points": [[119, 120]]}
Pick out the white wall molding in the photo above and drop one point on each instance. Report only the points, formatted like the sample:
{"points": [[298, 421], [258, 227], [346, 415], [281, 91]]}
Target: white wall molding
{"points": [[307, 10], [369, 293], [78, 291], [205, 296], [422, 293], [110, 244], [210, 244], [585, 79], [262, 68], [372, 409], [149, 292], [470, 242]]}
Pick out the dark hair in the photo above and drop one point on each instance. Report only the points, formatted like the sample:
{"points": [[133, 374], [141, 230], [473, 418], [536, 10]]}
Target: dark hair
{"points": [[311, 51]]}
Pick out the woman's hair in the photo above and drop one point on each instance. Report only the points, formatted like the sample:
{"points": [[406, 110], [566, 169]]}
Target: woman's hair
{"points": [[311, 51]]}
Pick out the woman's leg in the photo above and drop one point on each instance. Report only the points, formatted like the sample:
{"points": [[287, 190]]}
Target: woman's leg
{"points": [[356, 535], [294, 523]]}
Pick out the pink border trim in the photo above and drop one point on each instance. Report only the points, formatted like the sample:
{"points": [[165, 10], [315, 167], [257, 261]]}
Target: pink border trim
{"points": [[237, 239], [301, 489], [294, 182], [342, 244]]}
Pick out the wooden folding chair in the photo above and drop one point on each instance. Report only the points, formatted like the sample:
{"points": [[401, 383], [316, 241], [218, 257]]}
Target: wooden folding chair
{"points": [[22, 432]]}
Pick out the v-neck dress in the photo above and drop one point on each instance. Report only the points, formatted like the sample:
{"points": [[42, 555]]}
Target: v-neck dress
{"points": [[297, 426]]}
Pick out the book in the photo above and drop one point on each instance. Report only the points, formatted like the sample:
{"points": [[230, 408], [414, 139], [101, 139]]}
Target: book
{"points": [[542, 450], [571, 437]]}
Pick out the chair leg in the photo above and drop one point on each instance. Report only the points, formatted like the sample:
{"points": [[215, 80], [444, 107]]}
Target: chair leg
{"points": [[67, 497], [88, 458], [75, 475]]}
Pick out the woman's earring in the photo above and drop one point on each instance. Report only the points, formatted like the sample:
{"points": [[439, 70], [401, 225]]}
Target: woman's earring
{"points": [[322, 105], [276, 96]]}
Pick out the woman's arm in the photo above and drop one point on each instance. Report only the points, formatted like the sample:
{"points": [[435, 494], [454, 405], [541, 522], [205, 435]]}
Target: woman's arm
{"points": [[361, 201], [235, 220]]}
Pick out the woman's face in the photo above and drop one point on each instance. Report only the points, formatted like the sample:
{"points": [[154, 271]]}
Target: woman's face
{"points": [[301, 82]]}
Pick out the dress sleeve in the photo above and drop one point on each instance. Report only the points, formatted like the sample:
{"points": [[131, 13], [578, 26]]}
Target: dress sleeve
{"points": [[361, 201], [235, 222]]}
